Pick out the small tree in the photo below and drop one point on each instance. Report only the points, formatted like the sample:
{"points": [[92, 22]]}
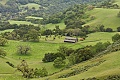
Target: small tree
{"points": [[23, 49], [26, 71], [40, 72], [49, 57], [58, 62], [3, 41], [2, 53], [118, 29], [116, 37], [109, 30], [118, 14]]}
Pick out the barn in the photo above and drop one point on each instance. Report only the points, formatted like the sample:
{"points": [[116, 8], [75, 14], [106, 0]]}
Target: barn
{"points": [[70, 39]]}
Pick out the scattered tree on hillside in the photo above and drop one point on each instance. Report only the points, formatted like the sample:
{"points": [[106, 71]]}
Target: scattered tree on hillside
{"points": [[23, 50], [40, 72], [59, 62], [26, 71], [116, 37], [109, 30], [2, 53], [49, 57], [3, 41], [118, 29]]}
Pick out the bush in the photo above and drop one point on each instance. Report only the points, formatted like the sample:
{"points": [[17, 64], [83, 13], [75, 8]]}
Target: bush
{"points": [[49, 57], [2, 53], [10, 64], [58, 63], [109, 30], [116, 37], [23, 50]]}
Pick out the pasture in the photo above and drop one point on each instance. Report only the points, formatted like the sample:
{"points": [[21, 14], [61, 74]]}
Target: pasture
{"points": [[21, 22], [106, 17], [8, 30], [32, 17], [52, 26], [31, 5], [38, 49]]}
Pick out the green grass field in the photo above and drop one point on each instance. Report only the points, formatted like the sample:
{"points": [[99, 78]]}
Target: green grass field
{"points": [[8, 30], [52, 26], [106, 17], [31, 5], [21, 22], [48, 26], [31, 17]]}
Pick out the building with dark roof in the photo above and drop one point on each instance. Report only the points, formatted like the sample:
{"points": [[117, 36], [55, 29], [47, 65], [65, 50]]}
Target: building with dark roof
{"points": [[70, 39]]}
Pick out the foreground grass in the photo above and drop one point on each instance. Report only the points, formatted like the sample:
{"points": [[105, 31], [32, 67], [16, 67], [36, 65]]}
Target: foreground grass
{"points": [[106, 17], [109, 67]]}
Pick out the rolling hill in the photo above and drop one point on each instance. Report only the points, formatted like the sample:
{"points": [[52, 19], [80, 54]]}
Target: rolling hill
{"points": [[109, 66], [106, 17], [99, 67]]}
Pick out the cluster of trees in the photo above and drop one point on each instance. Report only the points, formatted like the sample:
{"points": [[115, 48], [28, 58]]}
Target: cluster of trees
{"points": [[23, 32], [74, 56], [30, 72]]}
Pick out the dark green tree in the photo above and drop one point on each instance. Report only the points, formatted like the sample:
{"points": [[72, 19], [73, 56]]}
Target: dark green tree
{"points": [[23, 49], [2, 53], [3, 41], [26, 71], [58, 62], [116, 37], [118, 29]]}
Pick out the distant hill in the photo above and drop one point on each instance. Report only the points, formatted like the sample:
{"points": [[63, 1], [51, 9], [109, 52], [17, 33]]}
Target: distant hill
{"points": [[106, 17]]}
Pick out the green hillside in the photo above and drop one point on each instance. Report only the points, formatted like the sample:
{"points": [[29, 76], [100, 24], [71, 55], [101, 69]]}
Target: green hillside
{"points": [[106, 17], [109, 66], [117, 2]]}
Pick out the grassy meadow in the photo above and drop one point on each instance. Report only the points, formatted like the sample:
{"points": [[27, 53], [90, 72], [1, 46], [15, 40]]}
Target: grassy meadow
{"points": [[32, 17], [8, 30], [21, 22], [31, 5], [106, 17]]}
